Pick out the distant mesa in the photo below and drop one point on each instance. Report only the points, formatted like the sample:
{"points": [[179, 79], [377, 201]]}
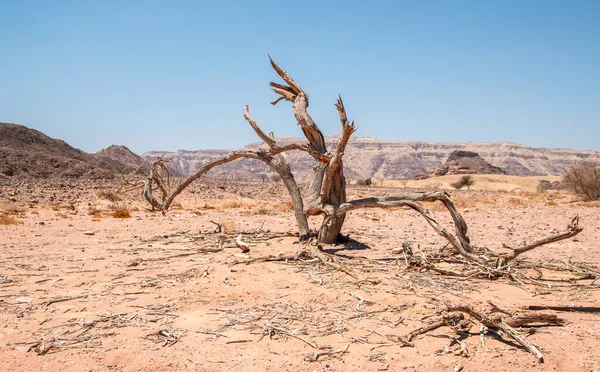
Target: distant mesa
{"points": [[466, 162], [371, 158]]}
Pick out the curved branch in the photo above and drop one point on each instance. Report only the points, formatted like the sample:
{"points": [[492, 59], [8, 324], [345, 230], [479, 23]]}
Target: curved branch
{"points": [[295, 94], [411, 201], [266, 139], [572, 229], [265, 157], [461, 241]]}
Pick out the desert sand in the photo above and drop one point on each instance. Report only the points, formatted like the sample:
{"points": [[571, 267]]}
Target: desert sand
{"points": [[82, 290]]}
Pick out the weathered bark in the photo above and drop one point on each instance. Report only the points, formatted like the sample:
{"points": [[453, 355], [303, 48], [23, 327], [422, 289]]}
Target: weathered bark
{"points": [[282, 167], [334, 187], [328, 186]]}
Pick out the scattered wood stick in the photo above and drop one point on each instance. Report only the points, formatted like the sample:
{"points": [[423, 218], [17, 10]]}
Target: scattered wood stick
{"points": [[63, 299], [579, 309], [500, 324]]}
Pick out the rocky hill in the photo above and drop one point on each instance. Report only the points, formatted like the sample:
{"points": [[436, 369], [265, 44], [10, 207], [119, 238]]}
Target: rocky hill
{"points": [[121, 155], [369, 157], [26, 152], [466, 162]]}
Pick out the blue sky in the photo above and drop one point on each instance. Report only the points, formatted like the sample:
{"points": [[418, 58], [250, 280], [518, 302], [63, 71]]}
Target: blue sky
{"points": [[169, 75]]}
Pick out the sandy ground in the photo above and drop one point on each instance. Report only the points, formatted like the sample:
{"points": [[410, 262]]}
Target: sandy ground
{"points": [[484, 182], [147, 295]]}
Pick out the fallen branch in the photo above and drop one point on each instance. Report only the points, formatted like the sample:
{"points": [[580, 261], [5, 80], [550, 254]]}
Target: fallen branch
{"points": [[497, 322], [63, 299], [579, 309]]}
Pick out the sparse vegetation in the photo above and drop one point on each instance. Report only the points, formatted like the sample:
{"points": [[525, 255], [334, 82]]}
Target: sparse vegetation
{"points": [[465, 180], [583, 179], [364, 182], [229, 203], [109, 195], [5, 219], [515, 201], [93, 211], [263, 211], [120, 211], [11, 208], [284, 207]]}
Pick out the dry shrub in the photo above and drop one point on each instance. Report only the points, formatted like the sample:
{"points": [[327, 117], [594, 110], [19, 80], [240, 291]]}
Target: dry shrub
{"points": [[515, 201], [176, 206], [229, 227], [584, 179], [229, 203], [5, 219], [364, 182], [284, 207], [93, 211], [263, 211], [108, 195], [120, 211], [11, 208], [208, 206], [465, 180], [249, 205]]}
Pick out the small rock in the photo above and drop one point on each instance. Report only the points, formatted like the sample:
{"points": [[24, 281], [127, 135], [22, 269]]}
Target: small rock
{"points": [[23, 300], [23, 349], [397, 250], [89, 232]]}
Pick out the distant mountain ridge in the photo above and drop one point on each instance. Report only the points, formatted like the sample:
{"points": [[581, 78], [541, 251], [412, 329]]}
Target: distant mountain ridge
{"points": [[26, 152], [370, 157], [29, 153]]}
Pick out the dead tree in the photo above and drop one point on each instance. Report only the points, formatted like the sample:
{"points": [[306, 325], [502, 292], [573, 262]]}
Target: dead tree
{"points": [[326, 193]]}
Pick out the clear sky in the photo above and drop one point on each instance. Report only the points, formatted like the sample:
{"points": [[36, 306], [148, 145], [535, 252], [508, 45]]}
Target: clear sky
{"points": [[169, 75]]}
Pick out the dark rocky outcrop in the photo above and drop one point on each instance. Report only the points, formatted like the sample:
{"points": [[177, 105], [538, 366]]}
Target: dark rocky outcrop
{"points": [[466, 162], [26, 152]]}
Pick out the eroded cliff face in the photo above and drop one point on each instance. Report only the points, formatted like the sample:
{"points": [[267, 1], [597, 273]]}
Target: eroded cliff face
{"points": [[369, 157]]}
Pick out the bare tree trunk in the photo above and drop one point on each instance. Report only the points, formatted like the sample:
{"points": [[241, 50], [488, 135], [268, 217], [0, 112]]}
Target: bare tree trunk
{"points": [[334, 187], [281, 165], [332, 223]]}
